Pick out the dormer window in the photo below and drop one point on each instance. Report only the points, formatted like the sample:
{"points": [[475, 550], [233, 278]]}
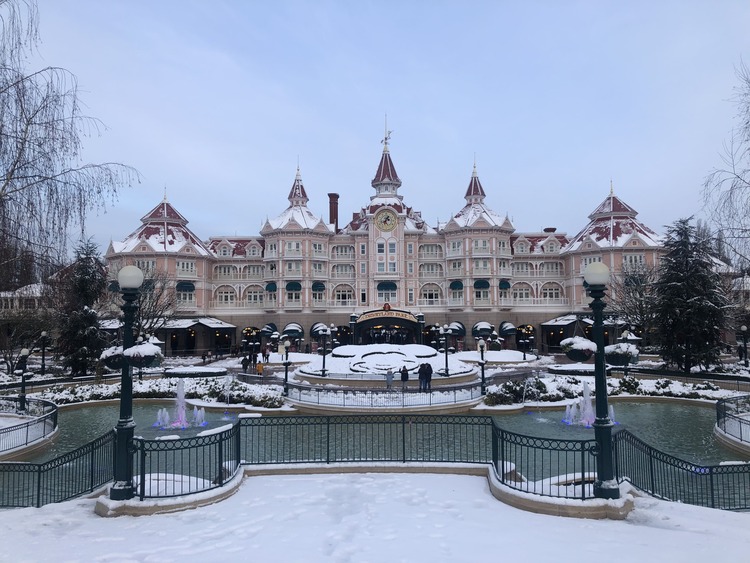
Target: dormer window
{"points": [[224, 251]]}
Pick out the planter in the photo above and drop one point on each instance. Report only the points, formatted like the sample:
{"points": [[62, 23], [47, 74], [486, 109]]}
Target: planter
{"points": [[617, 359], [578, 355], [113, 362], [140, 361]]}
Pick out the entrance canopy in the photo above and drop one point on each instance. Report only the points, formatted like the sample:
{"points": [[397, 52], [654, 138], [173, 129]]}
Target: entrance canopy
{"points": [[482, 329], [293, 331]]}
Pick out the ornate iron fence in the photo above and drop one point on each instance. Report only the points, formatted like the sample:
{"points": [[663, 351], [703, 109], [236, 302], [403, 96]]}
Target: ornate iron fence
{"points": [[25, 433], [67, 476], [382, 398], [725, 486], [733, 417]]}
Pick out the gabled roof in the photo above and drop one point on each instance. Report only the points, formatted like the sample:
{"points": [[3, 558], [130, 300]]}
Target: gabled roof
{"points": [[613, 224], [163, 230], [475, 213], [297, 215]]}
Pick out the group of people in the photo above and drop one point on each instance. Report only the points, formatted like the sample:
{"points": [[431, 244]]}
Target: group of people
{"points": [[425, 378]]}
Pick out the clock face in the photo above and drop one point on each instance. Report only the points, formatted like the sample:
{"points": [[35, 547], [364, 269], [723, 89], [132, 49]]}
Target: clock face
{"points": [[386, 220]]}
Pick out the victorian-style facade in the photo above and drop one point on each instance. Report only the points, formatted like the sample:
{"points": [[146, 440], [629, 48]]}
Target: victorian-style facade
{"points": [[473, 271]]}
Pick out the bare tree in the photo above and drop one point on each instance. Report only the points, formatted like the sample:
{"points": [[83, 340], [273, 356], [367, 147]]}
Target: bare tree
{"points": [[45, 188], [632, 294], [157, 301], [726, 189], [19, 328]]}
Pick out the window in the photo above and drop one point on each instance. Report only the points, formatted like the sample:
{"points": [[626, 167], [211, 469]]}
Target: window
{"points": [[456, 266], [552, 268], [381, 267], [343, 295], [318, 248], [293, 248], [293, 297], [430, 295], [363, 268], [457, 295], [318, 295], [502, 245], [633, 260], [363, 249], [146, 265], [185, 297], [225, 251], [482, 265], [411, 296], [225, 296], [431, 270], [391, 267], [410, 248], [410, 267], [363, 296], [185, 267], [381, 248], [551, 292], [586, 260], [391, 247], [253, 251], [481, 245], [521, 293], [386, 296], [254, 297], [255, 271], [271, 249], [293, 267], [521, 268], [224, 271], [317, 268], [481, 295], [455, 247]]}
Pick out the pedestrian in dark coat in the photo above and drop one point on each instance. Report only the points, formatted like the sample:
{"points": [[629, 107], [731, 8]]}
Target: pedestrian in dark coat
{"points": [[422, 377], [428, 378], [404, 377]]}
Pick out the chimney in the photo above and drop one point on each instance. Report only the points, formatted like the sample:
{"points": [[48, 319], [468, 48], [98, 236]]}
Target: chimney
{"points": [[333, 211]]}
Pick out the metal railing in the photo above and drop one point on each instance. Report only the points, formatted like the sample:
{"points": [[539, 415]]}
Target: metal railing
{"points": [[664, 476], [540, 466], [176, 467], [42, 425], [733, 417], [65, 477], [382, 398]]}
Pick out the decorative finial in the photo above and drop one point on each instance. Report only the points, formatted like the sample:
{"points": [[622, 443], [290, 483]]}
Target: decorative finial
{"points": [[165, 191], [387, 136], [611, 187]]}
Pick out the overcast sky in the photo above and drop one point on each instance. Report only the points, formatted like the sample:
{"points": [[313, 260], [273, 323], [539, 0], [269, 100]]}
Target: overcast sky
{"points": [[218, 101]]}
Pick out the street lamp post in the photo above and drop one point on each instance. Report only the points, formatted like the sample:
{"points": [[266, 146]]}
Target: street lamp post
{"points": [[743, 328], [130, 279], [445, 332], [286, 345], [324, 333], [43, 344], [605, 486], [482, 344], [23, 358]]}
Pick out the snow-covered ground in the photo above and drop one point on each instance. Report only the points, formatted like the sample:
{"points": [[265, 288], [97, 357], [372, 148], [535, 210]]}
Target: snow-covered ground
{"points": [[370, 518]]}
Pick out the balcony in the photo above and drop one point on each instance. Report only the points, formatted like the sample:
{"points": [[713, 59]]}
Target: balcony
{"points": [[431, 256], [343, 275], [430, 302], [186, 273], [347, 256], [431, 275]]}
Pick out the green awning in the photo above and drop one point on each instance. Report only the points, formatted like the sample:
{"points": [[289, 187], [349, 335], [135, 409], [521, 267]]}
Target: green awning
{"points": [[504, 284], [293, 286], [457, 284], [271, 286], [185, 286], [481, 284], [387, 286], [318, 286]]}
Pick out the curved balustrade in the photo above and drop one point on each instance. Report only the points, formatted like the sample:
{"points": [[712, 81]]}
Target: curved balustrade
{"points": [[43, 423]]}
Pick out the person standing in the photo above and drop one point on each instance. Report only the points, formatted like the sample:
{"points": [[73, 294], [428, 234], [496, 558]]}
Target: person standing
{"points": [[404, 378], [422, 376], [245, 364], [389, 379], [428, 378], [259, 368]]}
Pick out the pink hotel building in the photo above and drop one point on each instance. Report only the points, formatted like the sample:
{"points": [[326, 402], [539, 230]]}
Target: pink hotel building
{"points": [[386, 275]]}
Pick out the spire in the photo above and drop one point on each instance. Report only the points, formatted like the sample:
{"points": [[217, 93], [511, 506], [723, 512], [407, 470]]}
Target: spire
{"points": [[297, 195], [386, 180], [475, 192]]}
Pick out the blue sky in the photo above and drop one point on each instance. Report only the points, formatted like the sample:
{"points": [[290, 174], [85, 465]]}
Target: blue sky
{"points": [[217, 101]]}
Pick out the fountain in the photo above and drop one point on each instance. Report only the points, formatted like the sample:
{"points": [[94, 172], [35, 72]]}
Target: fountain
{"points": [[581, 412], [164, 420]]}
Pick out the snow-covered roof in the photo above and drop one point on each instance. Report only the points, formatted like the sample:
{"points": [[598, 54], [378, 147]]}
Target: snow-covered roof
{"points": [[299, 215], [163, 230], [613, 224], [210, 322]]}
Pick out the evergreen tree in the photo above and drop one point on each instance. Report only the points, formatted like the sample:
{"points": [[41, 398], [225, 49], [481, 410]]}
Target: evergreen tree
{"points": [[691, 304], [81, 341]]}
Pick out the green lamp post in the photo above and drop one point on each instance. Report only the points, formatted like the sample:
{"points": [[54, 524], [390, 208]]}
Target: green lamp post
{"points": [[130, 279], [596, 276]]}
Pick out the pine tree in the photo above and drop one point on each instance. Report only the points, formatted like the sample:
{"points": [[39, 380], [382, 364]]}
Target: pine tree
{"points": [[691, 304], [81, 341]]}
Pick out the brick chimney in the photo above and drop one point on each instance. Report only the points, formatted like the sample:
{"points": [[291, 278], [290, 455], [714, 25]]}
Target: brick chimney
{"points": [[333, 211]]}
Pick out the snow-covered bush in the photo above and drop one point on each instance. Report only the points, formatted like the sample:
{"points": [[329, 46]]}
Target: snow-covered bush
{"points": [[621, 354]]}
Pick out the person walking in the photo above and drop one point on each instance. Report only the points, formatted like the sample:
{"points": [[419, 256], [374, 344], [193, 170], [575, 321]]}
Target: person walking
{"points": [[422, 376], [389, 379], [245, 364], [259, 368], [404, 378], [428, 378]]}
